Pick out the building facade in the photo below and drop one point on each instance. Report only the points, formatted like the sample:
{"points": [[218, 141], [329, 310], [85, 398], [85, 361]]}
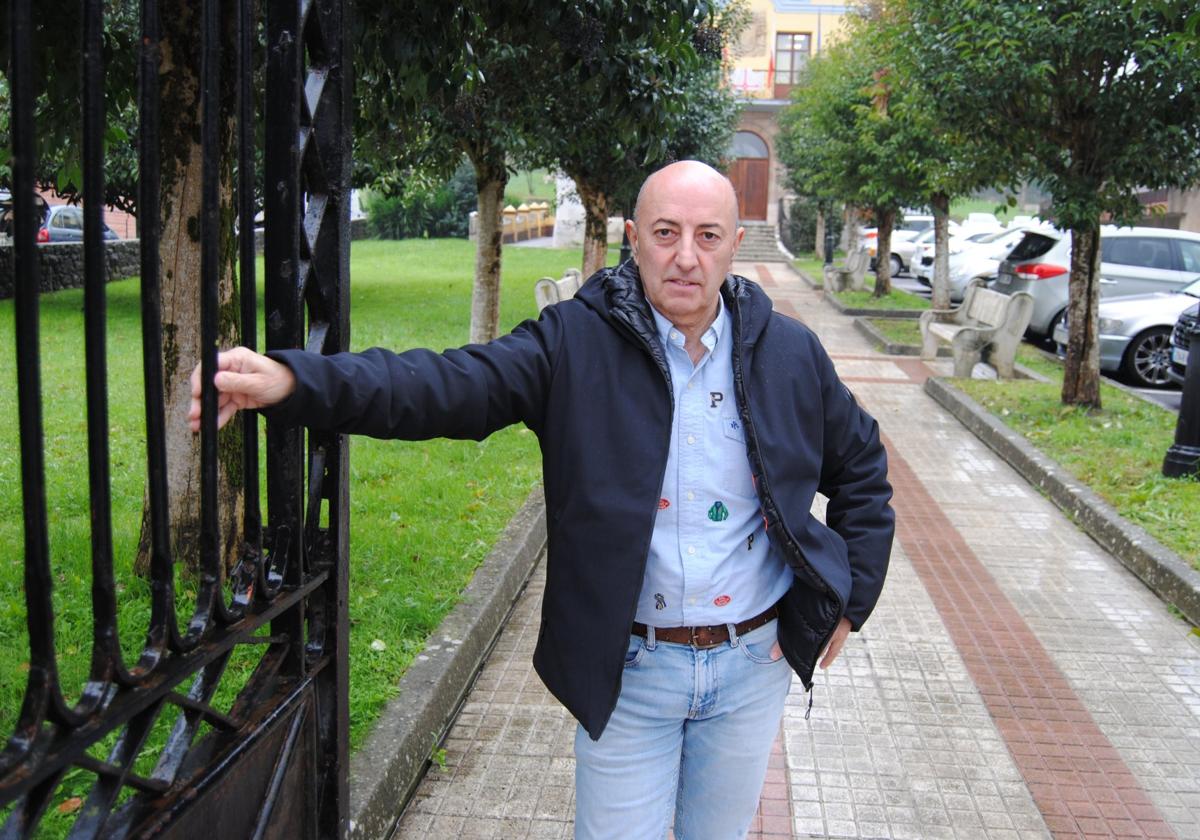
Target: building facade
{"points": [[766, 64]]}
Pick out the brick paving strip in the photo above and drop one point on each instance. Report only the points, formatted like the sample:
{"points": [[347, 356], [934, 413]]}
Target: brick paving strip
{"points": [[1080, 784]]}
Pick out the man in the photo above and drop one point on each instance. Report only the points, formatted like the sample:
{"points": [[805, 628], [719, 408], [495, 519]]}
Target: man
{"points": [[685, 428]]}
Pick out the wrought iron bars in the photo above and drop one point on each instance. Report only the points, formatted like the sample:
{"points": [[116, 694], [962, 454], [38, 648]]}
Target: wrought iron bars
{"points": [[294, 706]]}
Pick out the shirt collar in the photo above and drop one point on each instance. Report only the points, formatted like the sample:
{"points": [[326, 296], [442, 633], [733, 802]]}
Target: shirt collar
{"points": [[669, 335]]}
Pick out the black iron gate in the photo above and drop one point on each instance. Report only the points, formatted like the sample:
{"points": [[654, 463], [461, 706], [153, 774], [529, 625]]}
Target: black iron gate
{"points": [[274, 763]]}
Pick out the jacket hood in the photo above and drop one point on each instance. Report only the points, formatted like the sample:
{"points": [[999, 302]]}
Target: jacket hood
{"points": [[616, 294]]}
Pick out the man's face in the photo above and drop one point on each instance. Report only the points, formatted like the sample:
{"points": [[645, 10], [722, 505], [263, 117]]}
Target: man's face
{"points": [[684, 240]]}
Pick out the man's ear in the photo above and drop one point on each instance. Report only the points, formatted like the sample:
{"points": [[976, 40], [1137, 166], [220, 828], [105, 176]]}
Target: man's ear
{"points": [[631, 233]]}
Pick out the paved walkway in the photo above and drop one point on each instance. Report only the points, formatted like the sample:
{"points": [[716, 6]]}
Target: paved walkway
{"points": [[1014, 681]]}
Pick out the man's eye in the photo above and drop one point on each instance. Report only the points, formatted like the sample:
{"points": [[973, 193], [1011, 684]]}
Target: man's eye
{"points": [[663, 233]]}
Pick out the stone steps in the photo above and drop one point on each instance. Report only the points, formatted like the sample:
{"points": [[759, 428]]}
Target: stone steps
{"points": [[760, 243]]}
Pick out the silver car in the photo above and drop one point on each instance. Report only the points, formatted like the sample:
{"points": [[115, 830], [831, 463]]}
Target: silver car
{"points": [[1135, 334], [1133, 261]]}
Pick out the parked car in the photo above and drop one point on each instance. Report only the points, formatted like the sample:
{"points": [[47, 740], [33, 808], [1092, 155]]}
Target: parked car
{"points": [[64, 223], [907, 250], [1135, 334], [980, 223], [960, 243], [975, 258], [1133, 260], [1185, 334], [906, 229]]}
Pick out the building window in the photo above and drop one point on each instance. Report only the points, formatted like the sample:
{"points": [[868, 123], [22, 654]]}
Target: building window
{"points": [[747, 144], [792, 50]]}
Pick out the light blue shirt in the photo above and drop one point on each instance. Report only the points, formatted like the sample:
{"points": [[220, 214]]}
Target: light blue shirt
{"points": [[710, 561]]}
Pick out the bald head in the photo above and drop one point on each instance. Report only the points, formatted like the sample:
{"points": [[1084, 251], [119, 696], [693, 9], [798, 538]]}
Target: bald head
{"points": [[688, 175], [684, 235]]}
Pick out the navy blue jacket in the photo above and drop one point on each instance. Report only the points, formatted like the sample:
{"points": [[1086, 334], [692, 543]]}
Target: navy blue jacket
{"points": [[590, 379]]}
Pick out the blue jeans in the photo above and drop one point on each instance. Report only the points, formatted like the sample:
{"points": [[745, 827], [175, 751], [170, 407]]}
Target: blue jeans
{"points": [[691, 735]]}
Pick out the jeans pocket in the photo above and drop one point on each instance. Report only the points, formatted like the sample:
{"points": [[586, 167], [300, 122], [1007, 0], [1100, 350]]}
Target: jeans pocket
{"points": [[758, 646], [635, 651]]}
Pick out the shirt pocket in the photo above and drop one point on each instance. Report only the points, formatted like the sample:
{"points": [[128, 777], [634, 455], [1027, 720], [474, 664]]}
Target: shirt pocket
{"points": [[735, 473]]}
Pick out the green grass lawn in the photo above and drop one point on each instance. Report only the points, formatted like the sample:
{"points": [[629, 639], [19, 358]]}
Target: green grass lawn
{"points": [[532, 185], [1117, 451], [898, 299], [423, 515]]}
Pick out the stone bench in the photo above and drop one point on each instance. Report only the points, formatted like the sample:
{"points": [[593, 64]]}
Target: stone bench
{"points": [[548, 290], [851, 274], [988, 324]]}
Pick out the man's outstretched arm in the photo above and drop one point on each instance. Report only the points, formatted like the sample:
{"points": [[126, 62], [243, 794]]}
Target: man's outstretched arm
{"points": [[244, 379]]}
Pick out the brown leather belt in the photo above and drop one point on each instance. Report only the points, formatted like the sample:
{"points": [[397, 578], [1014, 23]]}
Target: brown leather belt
{"points": [[707, 636]]}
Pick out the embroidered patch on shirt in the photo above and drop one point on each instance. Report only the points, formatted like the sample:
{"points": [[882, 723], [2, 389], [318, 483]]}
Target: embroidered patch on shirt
{"points": [[716, 398], [660, 603], [663, 504], [750, 543], [718, 512], [721, 600]]}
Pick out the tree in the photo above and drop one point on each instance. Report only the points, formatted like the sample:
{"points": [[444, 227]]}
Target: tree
{"points": [[1099, 98], [436, 82], [56, 71], [841, 141], [649, 92], [498, 81], [950, 163]]}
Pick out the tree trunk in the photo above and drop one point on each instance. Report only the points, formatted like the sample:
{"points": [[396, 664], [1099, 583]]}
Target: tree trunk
{"points": [[491, 178], [885, 217], [1081, 372], [849, 239], [179, 254], [595, 228], [819, 235], [940, 202]]}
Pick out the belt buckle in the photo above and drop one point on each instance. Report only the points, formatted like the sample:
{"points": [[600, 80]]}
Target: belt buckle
{"points": [[695, 640]]}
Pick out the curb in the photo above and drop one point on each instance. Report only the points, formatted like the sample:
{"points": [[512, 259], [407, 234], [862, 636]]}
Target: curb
{"points": [[811, 283], [906, 314], [1167, 574], [850, 310], [385, 771]]}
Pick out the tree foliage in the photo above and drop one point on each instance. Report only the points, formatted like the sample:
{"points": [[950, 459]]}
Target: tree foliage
{"points": [[422, 210], [1097, 98], [866, 131], [57, 92], [591, 87], [648, 94]]}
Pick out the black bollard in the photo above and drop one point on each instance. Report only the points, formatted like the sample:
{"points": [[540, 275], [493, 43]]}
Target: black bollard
{"points": [[828, 247], [1183, 458]]}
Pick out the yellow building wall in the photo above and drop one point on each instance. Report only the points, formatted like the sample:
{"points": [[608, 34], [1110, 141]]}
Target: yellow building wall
{"points": [[753, 55], [751, 76]]}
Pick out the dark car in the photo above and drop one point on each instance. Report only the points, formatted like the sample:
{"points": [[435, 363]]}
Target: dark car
{"points": [[1187, 329]]}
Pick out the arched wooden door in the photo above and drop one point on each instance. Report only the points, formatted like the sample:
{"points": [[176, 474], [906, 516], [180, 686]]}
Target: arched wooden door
{"points": [[749, 173]]}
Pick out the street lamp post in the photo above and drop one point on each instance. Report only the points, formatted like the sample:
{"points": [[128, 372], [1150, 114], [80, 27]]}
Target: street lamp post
{"points": [[828, 246], [1183, 458]]}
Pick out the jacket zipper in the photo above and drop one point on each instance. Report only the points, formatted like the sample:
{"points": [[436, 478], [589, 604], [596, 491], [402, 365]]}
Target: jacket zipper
{"points": [[767, 498]]}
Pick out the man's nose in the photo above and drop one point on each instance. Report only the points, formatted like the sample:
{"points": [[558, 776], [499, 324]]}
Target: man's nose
{"points": [[685, 254]]}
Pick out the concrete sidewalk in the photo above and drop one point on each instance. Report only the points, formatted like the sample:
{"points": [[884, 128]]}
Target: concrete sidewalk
{"points": [[1015, 680]]}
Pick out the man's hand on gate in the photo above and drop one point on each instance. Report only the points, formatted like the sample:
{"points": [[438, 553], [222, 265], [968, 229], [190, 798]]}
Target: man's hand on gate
{"points": [[835, 644], [244, 379]]}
